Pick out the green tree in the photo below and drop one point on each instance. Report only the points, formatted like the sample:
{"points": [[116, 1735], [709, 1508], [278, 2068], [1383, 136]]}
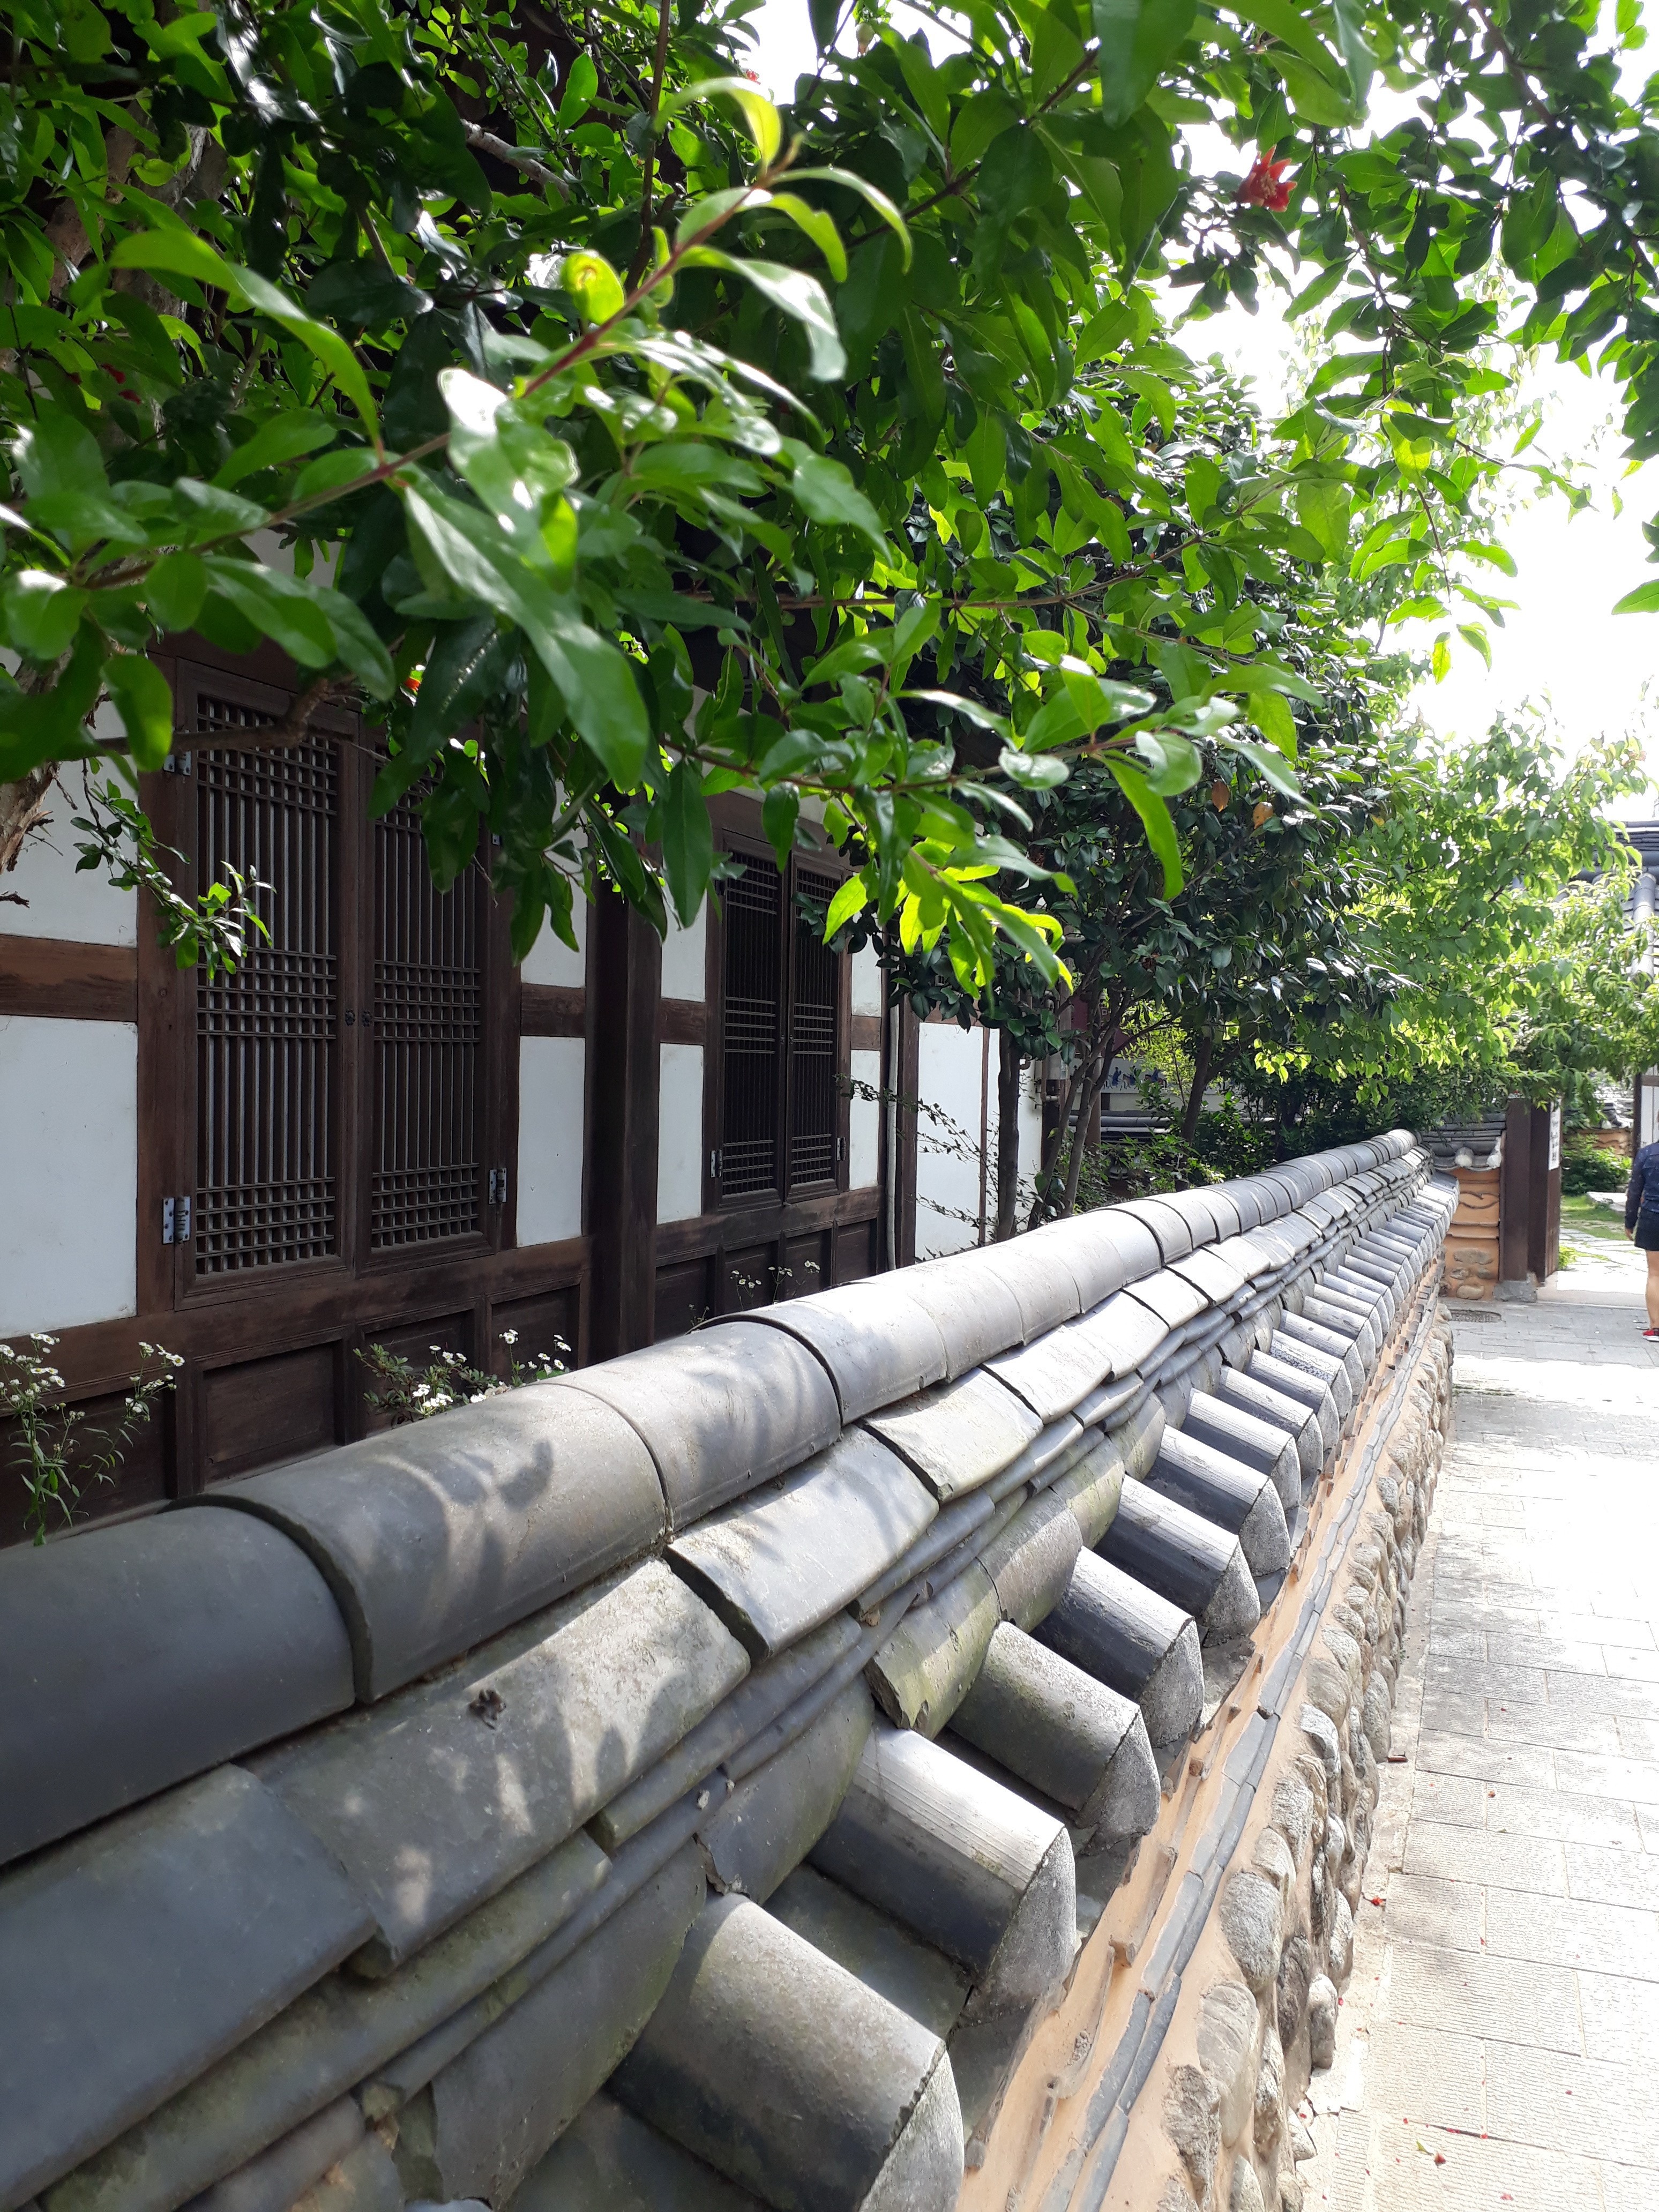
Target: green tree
{"points": [[1475, 906]]}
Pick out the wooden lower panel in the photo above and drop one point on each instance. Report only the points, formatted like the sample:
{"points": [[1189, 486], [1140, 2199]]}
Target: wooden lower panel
{"points": [[547, 1327], [261, 1411]]}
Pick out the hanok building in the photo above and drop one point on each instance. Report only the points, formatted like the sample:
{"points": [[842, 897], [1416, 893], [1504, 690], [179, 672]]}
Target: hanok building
{"points": [[378, 1129]]}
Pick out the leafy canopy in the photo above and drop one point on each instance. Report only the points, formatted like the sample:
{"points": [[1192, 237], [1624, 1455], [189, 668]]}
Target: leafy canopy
{"points": [[623, 438]]}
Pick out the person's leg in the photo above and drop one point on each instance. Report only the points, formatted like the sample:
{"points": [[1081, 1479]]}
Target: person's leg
{"points": [[1653, 1290]]}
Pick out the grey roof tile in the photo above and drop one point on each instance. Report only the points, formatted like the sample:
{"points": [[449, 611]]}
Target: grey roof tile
{"points": [[777, 1565], [433, 1536], [138, 1655], [134, 1956], [437, 1799], [877, 1342], [608, 2160], [960, 1435], [765, 1828], [785, 2072], [721, 1411], [486, 2119]]}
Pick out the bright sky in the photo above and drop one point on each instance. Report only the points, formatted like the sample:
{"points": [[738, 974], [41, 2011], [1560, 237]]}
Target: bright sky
{"points": [[1562, 648]]}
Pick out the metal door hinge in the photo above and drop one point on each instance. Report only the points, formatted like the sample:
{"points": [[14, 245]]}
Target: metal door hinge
{"points": [[176, 765], [498, 1185], [714, 1164], [175, 1221]]}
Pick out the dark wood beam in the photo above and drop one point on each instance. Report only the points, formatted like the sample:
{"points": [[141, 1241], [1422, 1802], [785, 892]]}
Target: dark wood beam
{"points": [[67, 980]]}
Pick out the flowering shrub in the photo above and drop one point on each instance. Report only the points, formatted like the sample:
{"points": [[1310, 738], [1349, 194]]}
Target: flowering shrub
{"points": [[52, 1443], [401, 1392]]}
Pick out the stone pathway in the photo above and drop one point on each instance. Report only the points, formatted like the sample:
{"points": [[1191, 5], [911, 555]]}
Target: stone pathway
{"points": [[1497, 2038]]}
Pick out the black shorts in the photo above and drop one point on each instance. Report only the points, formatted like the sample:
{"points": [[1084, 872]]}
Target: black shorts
{"points": [[1647, 1232]]}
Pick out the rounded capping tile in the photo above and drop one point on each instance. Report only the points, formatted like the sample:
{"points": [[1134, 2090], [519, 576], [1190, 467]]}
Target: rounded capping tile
{"points": [[1085, 1248], [878, 1343], [973, 1309], [140, 1655], [435, 1536], [1195, 1209], [720, 1411], [1047, 1295], [1174, 1235]]}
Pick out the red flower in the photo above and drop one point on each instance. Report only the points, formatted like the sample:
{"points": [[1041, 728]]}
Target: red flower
{"points": [[1266, 186]]}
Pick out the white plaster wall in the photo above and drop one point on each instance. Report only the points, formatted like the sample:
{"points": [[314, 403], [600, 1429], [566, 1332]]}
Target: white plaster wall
{"points": [[680, 1133], [683, 975], [551, 1072], [864, 1125], [68, 1142], [867, 981], [550, 960], [86, 909], [949, 1063]]}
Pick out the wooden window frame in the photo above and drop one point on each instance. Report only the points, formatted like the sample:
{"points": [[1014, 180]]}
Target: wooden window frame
{"points": [[169, 1132], [742, 842]]}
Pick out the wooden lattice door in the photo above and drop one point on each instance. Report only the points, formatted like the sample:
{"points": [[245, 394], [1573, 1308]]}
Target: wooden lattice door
{"points": [[339, 1108], [427, 1174]]}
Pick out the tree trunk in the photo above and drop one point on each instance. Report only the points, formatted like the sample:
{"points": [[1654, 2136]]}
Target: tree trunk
{"points": [[1087, 1108], [1203, 1052], [22, 808], [1009, 1067]]}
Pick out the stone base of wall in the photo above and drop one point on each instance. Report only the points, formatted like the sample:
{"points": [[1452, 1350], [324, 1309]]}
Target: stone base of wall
{"points": [[1216, 2127]]}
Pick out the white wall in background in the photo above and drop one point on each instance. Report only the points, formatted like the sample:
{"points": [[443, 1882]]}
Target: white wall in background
{"points": [[867, 981], [683, 971], [69, 1143], [679, 1134], [949, 1070], [551, 961], [551, 1072], [86, 909], [864, 1125]]}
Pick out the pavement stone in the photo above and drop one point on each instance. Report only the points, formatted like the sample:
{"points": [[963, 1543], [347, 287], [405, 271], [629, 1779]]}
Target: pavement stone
{"points": [[1495, 2044]]}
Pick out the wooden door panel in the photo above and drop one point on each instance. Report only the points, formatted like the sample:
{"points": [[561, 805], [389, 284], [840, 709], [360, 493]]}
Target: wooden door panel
{"points": [[260, 1411]]}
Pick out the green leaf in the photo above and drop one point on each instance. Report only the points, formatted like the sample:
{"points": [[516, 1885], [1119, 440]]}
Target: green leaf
{"points": [[875, 199], [174, 590], [47, 725], [357, 646], [794, 294], [764, 124], [594, 285], [1269, 762], [1156, 821], [780, 811], [1324, 507], [852, 898], [987, 455], [819, 226], [40, 613], [1137, 38], [826, 491], [278, 606], [687, 840], [1174, 763], [324, 344], [580, 84], [1270, 711], [144, 700], [1643, 600], [55, 455], [175, 252], [282, 438], [1033, 772], [1440, 658], [594, 678]]}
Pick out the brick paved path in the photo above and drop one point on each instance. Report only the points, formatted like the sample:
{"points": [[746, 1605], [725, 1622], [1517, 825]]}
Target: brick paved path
{"points": [[1500, 2035]]}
